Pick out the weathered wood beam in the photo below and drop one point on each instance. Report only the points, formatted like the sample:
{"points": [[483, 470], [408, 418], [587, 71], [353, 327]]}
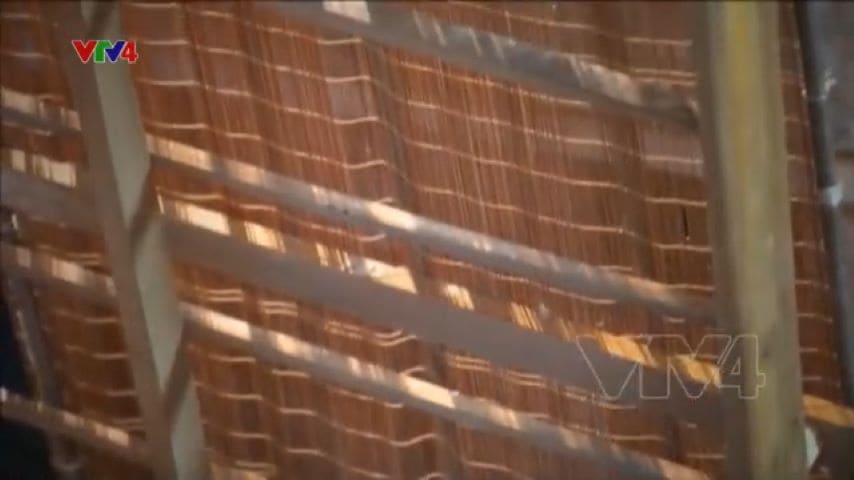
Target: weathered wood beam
{"points": [[103, 437], [423, 233], [435, 321], [504, 58], [376, 381], [432, 319], [741, 118], [487, 416], [701, 412], [31, 111], [61, 275], [119, 168], [433, 236], [49, 271], [47, 201]]}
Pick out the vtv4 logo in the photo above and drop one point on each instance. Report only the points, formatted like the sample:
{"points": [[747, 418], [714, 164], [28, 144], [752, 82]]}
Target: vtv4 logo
{"points": [[647, 382], [105, 50]]}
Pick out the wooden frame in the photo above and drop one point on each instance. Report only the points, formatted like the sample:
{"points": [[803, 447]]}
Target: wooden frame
{"points": [[115, 142]]}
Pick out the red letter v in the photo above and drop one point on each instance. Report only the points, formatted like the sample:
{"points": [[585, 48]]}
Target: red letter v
{"points": [[84, 50]]}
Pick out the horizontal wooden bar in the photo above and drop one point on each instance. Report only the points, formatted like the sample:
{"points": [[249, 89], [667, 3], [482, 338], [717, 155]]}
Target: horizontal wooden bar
{"points": [[62, 275], [479, 249], [824, 415], [835, 423], [562, 74], [21, 119], [433, 321], [31, 111], [284, 350], [103, 437], [259, 260], [45, 200], [73, 279], [470, 412]]}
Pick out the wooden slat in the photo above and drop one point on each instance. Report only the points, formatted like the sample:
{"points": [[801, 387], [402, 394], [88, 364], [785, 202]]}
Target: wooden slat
{"points": [[104, 437], [55, 273], [387, 385], [534, 352], [835, 423], [745, 156], [284, 350], [18, 118], [78, 281], [49, 271], [119, 166], [501, 57], [30, 110], [430, 235], [44, 200], [482, 250], [434, 321]]}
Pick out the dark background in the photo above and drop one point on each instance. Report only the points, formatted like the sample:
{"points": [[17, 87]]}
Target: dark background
{"points": [[23, 454]]}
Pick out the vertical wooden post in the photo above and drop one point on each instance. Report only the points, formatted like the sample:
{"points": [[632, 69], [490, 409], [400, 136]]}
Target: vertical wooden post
{"points": [[119, 168], [742, 132]]}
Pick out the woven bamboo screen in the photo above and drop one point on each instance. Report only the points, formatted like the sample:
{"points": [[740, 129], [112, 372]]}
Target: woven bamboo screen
{"points": [[379, 123]]}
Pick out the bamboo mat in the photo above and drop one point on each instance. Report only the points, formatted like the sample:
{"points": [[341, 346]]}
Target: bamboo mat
{"points": [[444, 143]]}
